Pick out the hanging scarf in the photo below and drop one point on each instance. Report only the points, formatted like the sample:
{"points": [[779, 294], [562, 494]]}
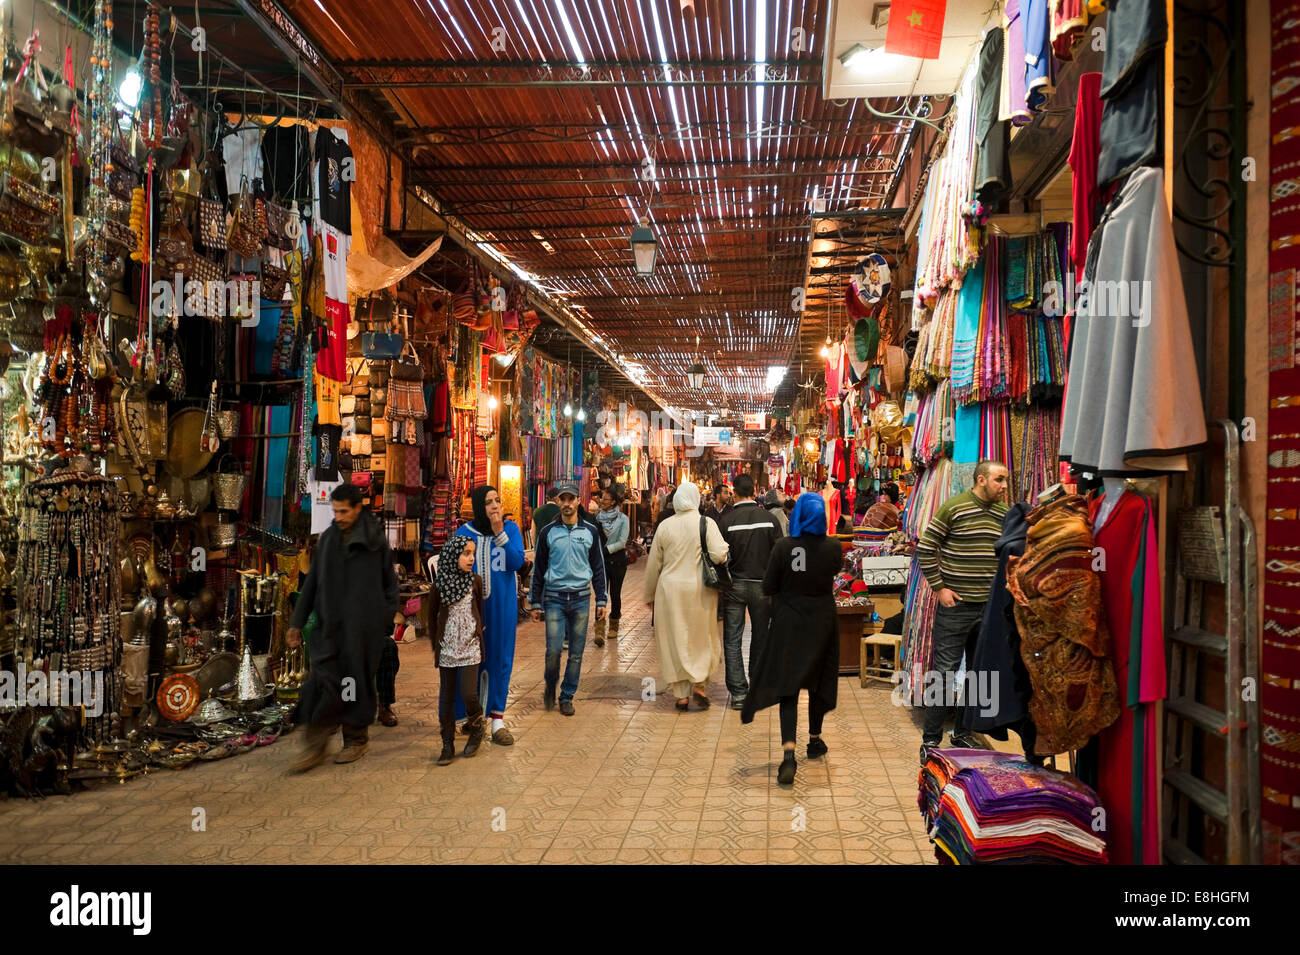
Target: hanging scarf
{"points": [[452, 582]]}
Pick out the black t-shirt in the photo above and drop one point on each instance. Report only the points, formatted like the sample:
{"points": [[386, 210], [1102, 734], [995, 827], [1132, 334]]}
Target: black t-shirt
{"points": [[287, 150], [337, 170]]}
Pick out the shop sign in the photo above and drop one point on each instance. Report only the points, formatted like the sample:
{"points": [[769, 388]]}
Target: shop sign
{"points": [[756, 421], [712, 437]]}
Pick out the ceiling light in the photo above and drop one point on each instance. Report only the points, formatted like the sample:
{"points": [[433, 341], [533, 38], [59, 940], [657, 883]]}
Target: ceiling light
{"points": [[582, 415], [866, 62], [644, 248], [568, 411], [492, 402], [695, 375], [826, 349], [128, 94]]}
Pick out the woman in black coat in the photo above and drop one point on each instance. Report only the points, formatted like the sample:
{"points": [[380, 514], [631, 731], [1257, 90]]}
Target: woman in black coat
{"points": [[802, 650]]}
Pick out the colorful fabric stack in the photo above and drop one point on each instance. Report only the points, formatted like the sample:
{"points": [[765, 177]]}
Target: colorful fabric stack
{"points": [[986, 808]]}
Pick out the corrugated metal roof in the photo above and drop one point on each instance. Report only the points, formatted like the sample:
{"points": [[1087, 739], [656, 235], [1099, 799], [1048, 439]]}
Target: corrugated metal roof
{"points": [[553, 126]]}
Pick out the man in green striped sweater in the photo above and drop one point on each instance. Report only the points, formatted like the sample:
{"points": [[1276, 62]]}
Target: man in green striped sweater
{"points": [[957, 557]]}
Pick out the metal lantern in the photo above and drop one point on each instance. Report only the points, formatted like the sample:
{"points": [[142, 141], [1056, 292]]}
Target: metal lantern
{"points": [[695, 375], [644, 248]]}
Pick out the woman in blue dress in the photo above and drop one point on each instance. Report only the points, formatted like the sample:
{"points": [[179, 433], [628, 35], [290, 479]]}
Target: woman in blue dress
{"points": [[498, 555]]}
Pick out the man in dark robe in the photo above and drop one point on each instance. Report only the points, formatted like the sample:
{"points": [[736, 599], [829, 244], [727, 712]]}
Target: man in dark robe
{"points": [[353, 590]]}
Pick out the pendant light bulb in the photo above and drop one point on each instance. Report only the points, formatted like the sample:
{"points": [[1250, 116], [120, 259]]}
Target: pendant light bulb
{"points": [[568, 411], [582, 415], [492, 402]]}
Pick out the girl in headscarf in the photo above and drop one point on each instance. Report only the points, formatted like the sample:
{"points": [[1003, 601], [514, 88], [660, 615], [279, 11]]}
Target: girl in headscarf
{"points": [[686, 623], [802, 650], [498, 555], [457, 613]]}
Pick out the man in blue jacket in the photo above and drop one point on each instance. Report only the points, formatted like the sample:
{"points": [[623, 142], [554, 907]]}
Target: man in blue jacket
{"points": [[568, 565]]}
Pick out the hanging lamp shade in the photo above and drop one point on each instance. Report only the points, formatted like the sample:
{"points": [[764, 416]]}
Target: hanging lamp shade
{"points": [[695, 375], [644, 248]]}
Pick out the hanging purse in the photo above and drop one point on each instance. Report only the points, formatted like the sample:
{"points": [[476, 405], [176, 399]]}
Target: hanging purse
{"points": [[244, 237], [212, 225], [174, 248], [717, 576], [381, 346], [278, 228], [124, 175], [407, 366], [275, 281]]}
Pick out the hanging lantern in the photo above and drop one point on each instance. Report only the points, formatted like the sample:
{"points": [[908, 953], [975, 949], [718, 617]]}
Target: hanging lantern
{"points": [[644, 248], [695, 375]]}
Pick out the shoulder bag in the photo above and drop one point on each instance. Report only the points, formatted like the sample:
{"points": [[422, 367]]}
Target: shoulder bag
{"points": [[717, 576]]}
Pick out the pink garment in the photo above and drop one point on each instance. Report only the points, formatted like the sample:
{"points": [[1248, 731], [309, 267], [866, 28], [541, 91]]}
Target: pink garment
{"points": [[1084, 150]]}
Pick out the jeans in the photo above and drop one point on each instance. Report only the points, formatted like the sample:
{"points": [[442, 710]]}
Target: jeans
{"points": [[566, 619], [615, 571], [954, 628], [744, 595]]}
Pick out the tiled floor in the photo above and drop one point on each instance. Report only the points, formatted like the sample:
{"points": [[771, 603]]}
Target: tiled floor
{"points": [[625, 780]]}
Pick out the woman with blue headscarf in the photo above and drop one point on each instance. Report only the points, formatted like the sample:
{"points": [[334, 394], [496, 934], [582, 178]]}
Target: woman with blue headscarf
{"points": [[802, 651]]}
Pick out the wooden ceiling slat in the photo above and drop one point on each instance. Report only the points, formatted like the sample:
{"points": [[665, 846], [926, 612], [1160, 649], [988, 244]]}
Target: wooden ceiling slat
{"points": [[543, 163]]}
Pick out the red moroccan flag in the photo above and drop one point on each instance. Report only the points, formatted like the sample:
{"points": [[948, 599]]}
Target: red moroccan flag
{"points": [[915, 28]]}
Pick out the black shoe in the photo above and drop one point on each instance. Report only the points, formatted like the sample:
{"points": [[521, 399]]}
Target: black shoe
{"points": [[785, 776], [817, 748], [925, 751], [566, 707], [548, 697], [737, 702], [448, 754], [964, 741]]}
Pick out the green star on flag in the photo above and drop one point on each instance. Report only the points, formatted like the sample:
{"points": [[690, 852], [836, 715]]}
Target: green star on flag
{"points": [[915, 28]]}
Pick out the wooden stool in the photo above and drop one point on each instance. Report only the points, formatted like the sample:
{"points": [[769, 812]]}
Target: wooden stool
{"points": [[872, 668]]}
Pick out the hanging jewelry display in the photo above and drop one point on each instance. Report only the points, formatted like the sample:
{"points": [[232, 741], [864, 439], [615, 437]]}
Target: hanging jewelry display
{"points": [[103, 118], [67, 580]]}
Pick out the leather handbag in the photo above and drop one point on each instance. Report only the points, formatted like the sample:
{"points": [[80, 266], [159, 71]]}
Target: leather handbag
{"points": [[379, 395], [381, 346], [363, 424], [407, 366], [347, 404], [717, 576]]}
